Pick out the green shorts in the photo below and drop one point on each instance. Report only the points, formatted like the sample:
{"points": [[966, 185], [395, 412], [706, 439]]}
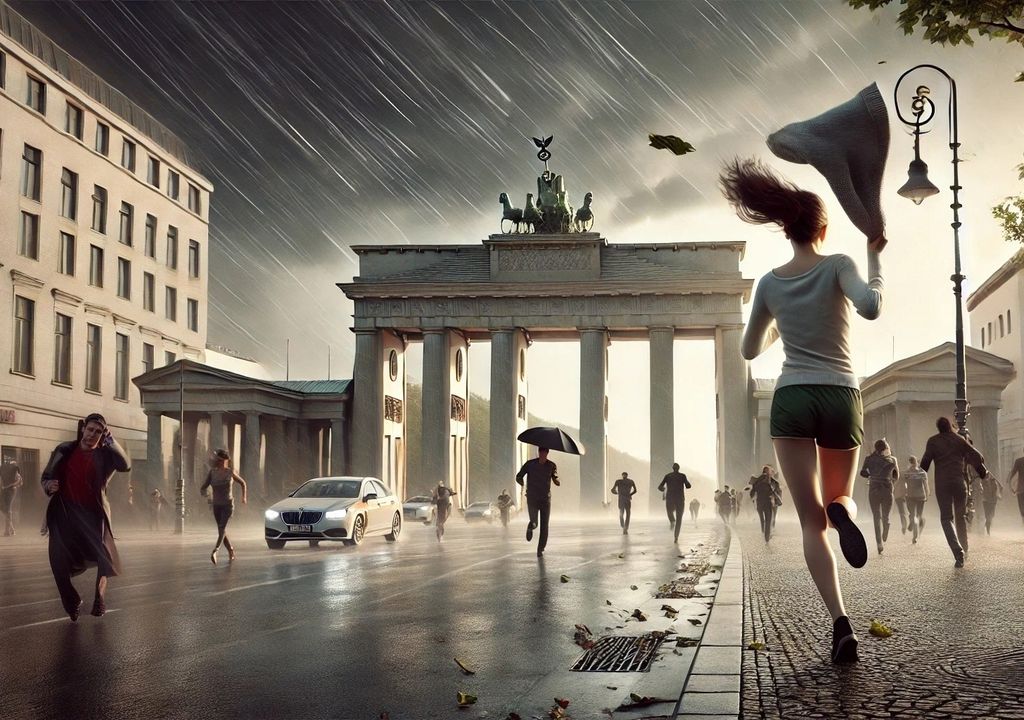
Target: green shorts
{"points": [[831, 415]]}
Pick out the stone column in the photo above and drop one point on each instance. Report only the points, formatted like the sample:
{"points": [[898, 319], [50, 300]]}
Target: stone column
{"points": [[504, 407], [154, 454], [325, 449], [217, 439], [251, 455], [435, 455], [277, 456], [984, 426], [735, 446], [338, 460], [368, 404], [593, 433], [296, 472], [662, 409], [190, 429]]}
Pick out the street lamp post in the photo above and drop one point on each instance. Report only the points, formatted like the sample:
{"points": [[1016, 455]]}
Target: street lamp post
{"points": [[918, 187]]}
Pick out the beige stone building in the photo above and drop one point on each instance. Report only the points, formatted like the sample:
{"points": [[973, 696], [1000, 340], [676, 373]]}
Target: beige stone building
{"points": [[103, 252], [995, 311]]}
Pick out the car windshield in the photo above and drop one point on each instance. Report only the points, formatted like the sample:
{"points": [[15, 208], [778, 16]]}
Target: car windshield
{"points": [[329, 489], [418, 499]]}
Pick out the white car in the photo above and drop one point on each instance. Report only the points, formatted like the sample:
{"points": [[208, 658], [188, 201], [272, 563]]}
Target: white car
{"points": [[419, 509], [346, 509]]}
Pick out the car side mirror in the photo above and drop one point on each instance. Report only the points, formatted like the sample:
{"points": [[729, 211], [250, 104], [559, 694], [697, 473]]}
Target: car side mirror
{"points": [[369, 496]]}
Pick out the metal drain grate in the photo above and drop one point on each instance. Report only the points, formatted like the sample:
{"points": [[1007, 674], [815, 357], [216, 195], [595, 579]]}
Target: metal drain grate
{"points": [[619, 653]]}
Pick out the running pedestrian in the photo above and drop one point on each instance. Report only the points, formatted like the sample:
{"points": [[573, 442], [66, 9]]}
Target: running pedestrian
{"points": [[1015, 481], [899, 495], [540, 473], [763, 494], [625, 488], [817, 412], [917, 493], [951, 453], [504, 506], [10, 481], [78, 514], [694, 510], [991, 494], [442, 499], [674, 486], [881, 470], [221, 480]]}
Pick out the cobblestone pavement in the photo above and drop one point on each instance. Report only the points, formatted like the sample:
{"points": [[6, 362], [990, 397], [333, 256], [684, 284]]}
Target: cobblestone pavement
{"points": [[958, 645]]}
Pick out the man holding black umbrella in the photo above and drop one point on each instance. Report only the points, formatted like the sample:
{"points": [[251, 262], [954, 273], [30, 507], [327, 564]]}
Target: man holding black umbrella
{"points": [[539, 473]]}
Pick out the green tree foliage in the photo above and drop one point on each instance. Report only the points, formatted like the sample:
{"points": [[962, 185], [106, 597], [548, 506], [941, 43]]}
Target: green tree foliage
{"points": [[956, 21], [1010, 214]]}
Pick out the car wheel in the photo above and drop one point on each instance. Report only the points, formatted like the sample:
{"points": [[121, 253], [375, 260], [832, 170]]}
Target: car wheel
{"points": [[358, 530], [275, 544], [396, 528], [314, 543]]}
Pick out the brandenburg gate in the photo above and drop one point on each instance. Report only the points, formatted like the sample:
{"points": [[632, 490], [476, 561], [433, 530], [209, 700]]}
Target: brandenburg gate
{"points": [[515, 288]]}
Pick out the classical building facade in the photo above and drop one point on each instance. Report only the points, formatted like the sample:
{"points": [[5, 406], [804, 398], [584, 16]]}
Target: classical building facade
{"points": [[103, 262], [278, 433], [517, 287], [995, 311]]}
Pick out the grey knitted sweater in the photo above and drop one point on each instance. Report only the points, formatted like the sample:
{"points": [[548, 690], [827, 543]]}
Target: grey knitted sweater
{"points": [[811, 314]]}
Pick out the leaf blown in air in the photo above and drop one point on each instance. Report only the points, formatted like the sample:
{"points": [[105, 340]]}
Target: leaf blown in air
{"points": [[670, 142]]}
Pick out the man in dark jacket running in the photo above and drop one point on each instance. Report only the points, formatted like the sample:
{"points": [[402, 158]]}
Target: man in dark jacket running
{"points": [[674, 486], [951, 454], [762, 491], [625, 488], [539, 473]]}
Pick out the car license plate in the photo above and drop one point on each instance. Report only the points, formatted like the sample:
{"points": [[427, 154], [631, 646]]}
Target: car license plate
{"points": [[300, 528]]}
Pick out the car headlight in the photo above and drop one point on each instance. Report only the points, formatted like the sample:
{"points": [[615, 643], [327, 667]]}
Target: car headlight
{"points": [[271, 514], [336, 514]]}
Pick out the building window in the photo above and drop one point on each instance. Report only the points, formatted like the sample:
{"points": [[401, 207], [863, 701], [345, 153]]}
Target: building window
{"points": [[147, 357], [193, 258], [169, 357], [127, 218], [982, 337], [28, 240], [128, 155], [74, 120], [36, 96], [95, 266], [990, 333], [172, 247], [1002, 329], [31, 171], [93, 356], [193, 315], [150, 236], [193, 199], [102, 139], [153, 172], [124, 278], [99, 209], [3, 70], [173, 183], [24, 332], [171, 304], [69, 194], [1008, 329], [62, 350], [66, 256], [148, 292], [121, 358]]}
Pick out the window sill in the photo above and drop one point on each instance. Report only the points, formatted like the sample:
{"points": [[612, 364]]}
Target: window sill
{"points": [[122, 400], [57, 383], [93, 392], [22, 374]]}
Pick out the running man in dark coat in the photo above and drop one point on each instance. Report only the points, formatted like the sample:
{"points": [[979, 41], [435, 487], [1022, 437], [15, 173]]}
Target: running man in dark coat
{"points": [[1015, 481], [625, 488], [78, 516], [762, 491], [674, 486], [951, 453], [10, 481], [539, 473]]}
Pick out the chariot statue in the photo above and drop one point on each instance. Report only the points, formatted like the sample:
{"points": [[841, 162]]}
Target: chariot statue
{"points": [[552, 214]]}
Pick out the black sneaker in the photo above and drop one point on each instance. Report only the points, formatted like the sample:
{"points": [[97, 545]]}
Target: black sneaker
{"points": [[540, 553], [529, 532], [851, 540], [844, 641], [959, 561]]}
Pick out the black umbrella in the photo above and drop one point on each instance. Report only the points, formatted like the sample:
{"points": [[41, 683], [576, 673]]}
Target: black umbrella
{"points": [[551, 438]]}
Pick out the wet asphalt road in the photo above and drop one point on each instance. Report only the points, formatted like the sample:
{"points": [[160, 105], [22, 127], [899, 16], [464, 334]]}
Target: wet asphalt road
{"points": [[334, 632]]}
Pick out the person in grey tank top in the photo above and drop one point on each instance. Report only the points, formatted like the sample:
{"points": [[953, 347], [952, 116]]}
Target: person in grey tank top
{"points": [[220, 480], [817, 414]]}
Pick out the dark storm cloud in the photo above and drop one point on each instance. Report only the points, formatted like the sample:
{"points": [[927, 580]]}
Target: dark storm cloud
{"points": [[325, 125]]}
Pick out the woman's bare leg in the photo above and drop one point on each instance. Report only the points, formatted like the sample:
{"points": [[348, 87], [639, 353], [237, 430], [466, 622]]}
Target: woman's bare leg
{"points": [[798, 460]]}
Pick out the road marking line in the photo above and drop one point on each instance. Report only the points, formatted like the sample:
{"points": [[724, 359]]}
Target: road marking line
{"points": [[262, 584], [63, 618], [439, 577]]}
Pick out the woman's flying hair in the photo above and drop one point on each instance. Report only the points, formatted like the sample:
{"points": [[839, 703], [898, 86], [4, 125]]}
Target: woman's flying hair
{"points": [[760, 197]]}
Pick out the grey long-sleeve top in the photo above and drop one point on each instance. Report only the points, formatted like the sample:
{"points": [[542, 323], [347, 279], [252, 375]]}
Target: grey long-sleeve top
{"points": [[810, 312]]}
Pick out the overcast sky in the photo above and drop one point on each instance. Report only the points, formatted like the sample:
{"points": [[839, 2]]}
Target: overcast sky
{"points": [[328, 125]]}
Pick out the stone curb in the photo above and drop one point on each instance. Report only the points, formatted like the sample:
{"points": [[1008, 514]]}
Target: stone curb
{"points": [[712, 685]]}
